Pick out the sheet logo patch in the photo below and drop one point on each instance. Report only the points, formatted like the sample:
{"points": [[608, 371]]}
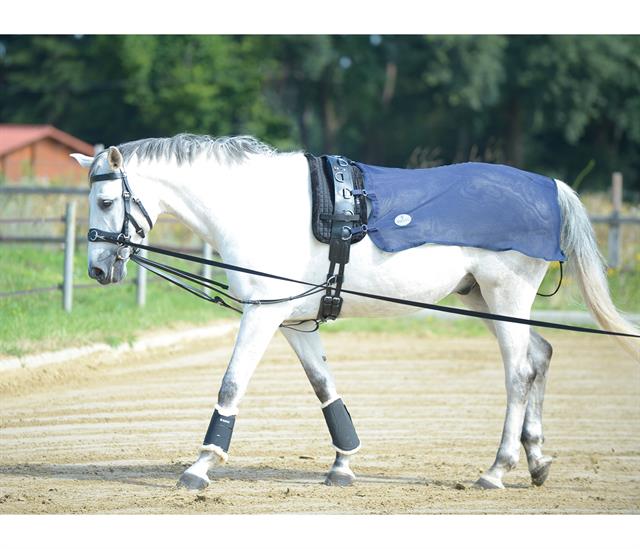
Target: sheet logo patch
{"points": [[402, 220]]}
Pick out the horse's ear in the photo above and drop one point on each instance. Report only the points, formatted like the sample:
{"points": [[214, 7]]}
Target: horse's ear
{"points": [[115, 158], [84, 160]]}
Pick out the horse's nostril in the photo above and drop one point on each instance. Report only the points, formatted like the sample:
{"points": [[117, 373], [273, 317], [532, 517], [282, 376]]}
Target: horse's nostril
{"points": [[97, 273]]}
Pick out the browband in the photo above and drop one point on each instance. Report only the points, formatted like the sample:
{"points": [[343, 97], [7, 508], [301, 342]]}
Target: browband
{"points": [[104, 177]]}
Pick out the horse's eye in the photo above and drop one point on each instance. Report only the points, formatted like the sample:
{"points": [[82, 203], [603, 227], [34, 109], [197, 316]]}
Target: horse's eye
{"points": [[106, 204]]}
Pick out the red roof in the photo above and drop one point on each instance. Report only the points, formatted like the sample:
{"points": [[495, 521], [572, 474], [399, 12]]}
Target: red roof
{"points": [[16, 136]]}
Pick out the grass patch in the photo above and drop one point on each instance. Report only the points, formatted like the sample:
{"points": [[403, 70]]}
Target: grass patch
{"points": [[623, 284], [33, 323]]}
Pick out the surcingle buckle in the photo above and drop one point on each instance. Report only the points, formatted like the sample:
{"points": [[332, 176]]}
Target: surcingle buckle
{"points": [[330, 307]]}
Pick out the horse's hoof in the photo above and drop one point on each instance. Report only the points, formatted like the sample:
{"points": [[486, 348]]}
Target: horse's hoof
{"points": [[190, 481], [488, 483], [541, 471], [336, 478]]}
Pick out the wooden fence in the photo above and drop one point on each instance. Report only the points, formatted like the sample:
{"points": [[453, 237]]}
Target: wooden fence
{"points": [[69, 242], [615, 221]]}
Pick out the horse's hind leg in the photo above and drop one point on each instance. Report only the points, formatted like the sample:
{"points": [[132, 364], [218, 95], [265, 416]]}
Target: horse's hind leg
{"points": [[539, 356], [308, 347], [510, 297]]}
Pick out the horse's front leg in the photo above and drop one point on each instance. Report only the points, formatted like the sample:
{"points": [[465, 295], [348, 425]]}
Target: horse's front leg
{"points": [[308, 347], [257, 327]]}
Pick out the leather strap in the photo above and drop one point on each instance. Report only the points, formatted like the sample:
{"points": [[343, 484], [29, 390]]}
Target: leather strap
{"points": [[109, 176], [127, 196], [343, 221]]}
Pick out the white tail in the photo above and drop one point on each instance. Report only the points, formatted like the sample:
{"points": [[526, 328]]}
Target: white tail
{"points": [[587, 265]]}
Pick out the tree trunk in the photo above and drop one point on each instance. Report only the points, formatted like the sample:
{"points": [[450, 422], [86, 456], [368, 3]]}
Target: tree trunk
{"points": [[330, 122], [515, 134], [374, 148], [303, 128]]}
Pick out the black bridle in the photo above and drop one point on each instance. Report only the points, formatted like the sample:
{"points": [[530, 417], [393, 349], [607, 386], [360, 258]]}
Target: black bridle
{"points": [[123, 238]]}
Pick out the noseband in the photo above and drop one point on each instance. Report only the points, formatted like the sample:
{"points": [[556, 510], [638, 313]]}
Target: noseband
{"points": [[122, 239]]}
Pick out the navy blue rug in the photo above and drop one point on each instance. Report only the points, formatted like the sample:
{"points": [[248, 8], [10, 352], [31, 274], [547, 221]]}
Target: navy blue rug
{"points": [[472, 204]]}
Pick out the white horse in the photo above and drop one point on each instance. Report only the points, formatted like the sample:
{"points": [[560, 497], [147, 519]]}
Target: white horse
{"points": [[253, 205]]}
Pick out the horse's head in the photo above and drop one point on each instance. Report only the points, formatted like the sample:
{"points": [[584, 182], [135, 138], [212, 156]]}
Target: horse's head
{"points": [[119, 208]]}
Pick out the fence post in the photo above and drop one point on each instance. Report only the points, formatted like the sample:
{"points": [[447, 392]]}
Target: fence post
{"points": [[207, 253], [69, 251], [615, 240], [141, 281]]}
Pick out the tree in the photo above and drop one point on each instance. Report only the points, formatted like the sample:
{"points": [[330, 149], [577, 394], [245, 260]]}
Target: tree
{"points": [[552, 104]]}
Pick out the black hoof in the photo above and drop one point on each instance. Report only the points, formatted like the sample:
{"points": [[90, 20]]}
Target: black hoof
{"points": [[192, 482], [540, 473], [339, 479]]}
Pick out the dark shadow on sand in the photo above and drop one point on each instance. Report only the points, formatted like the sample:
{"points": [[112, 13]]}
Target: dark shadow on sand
{"points": [[145, 474]]}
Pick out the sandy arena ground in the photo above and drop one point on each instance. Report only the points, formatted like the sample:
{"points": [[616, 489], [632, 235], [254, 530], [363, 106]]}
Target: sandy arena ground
{"points": [[112, 436]]}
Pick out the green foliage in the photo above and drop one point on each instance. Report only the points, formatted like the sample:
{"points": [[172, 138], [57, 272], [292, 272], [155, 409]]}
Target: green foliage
{"points": [[551, 104]]}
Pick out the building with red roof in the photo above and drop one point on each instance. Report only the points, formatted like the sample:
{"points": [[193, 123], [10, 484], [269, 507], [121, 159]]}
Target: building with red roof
{"points": [[40, 153]]}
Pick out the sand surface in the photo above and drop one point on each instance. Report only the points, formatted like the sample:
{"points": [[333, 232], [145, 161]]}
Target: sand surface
{"points": [[106, 435]]}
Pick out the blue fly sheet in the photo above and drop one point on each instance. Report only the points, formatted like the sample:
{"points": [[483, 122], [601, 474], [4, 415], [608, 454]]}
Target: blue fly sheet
{"points": [[472, 204]]}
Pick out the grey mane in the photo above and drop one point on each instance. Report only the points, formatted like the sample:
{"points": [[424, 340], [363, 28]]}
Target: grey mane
{"points": [[185, 148]]}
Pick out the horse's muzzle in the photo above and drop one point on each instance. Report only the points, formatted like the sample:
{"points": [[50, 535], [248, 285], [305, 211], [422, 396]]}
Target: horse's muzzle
{"points": [[108, 275], [98, 274]]}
